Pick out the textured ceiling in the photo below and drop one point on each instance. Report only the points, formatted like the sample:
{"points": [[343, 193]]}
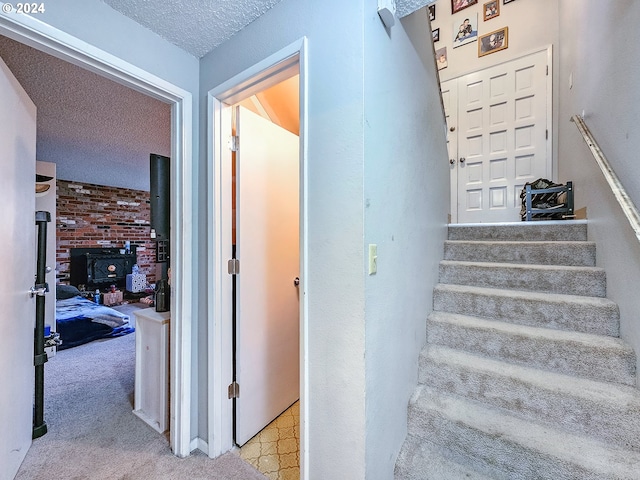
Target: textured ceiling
{"points": [[197, 26], [95, 130], [406, 7]]}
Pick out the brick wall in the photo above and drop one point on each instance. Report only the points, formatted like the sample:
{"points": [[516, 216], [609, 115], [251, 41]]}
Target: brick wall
{"points": [[97, 216]]}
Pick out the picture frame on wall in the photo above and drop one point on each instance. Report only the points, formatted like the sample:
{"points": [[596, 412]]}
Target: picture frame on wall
{"points": [[441, 58], [436, 35], [504, 2], [493, 41], [465, 30], [491, 9], [457, 5], [432, 12]]}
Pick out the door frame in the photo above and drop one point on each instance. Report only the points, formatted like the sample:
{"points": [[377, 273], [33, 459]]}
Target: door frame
{"points": [[267, 72], [44, 37], [551, 147]]}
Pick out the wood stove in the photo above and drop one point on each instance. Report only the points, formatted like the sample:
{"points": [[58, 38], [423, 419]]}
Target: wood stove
{"points": [[100, 267]]}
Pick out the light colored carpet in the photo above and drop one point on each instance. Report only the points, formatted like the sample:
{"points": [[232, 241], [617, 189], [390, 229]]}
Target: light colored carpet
{"points": [[523, 375], [92, 433]]}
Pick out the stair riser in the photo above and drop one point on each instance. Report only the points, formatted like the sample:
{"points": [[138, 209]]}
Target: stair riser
{"points": [[570, 358], [420, 460], [581, 254], [492, 454], [610, 422], [587, 318], [529, 232], [552, 280]]}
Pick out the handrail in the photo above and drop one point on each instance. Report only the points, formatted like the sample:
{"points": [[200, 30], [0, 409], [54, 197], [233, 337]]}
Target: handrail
{"points": [[628, 207]]}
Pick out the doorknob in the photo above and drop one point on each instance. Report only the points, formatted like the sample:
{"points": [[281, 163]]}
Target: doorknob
{"points": [[38, 290], [296, 281], [452, 161], [462, 159], [452, 129]]}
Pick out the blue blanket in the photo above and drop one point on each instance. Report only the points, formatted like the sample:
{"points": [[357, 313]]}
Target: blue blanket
{"points": [[80, 321]]}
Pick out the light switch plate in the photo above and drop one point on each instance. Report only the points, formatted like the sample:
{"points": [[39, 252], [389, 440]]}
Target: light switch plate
{"points": [[373, 258]]}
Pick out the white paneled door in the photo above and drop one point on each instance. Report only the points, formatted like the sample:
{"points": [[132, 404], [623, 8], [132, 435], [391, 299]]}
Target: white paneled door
{"points": [[17, 250], [267, 246], [499, 137]]}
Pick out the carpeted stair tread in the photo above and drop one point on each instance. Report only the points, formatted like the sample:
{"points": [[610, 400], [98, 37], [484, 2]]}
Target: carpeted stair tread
{"points": [[552, 310], [607, 411], [504, 446], [568, 253], [525, 231], [523, 375], [422, 460], [573, 353], [568, 280]]}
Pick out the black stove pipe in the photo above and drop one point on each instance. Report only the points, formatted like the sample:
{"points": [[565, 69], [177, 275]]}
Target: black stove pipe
{"points": [[40, 356]]}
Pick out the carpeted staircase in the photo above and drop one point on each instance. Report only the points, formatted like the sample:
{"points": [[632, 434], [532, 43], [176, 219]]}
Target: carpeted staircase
{"points": [[523, 375]]}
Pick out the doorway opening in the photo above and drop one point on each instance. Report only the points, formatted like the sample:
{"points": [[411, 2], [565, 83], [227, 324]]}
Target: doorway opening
{"points": [[265, 203], [286, 65], [30, 31]]}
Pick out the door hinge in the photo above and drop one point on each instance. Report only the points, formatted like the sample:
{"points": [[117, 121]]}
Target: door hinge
{"points": [[234, 143], [234, 390], [233, 266], [546, 134], [547, 70]]}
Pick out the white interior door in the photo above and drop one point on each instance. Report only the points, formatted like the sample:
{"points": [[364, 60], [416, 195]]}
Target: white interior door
{"points": [[267, 246], [504, 120], [17, 250]]}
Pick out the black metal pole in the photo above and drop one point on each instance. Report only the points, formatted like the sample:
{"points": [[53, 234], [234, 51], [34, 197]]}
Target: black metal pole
{"points": [[40, 356]]}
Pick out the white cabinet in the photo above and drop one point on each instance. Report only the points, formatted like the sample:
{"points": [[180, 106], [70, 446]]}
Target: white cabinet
{"points": [[151, 402]]}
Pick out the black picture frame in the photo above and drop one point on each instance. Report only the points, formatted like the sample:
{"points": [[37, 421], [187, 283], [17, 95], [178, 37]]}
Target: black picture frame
{"points": [[432, 12], [436, 34]]}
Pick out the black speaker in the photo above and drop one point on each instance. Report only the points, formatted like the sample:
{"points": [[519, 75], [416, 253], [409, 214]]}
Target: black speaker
{"points": [[160, 168]]}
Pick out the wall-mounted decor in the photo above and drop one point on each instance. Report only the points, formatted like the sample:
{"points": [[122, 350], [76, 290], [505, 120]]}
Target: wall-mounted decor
{"points": [[504, 2], [465, 30], [457, 5], [432, 12], [441, 58], [436, 34], [491, 9], [493, 41]]}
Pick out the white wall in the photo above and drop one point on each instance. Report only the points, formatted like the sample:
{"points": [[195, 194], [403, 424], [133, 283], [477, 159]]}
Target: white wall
{"points": [[406, 179], [600, 55], [372, 161], [334, 282], [98, 24]]}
